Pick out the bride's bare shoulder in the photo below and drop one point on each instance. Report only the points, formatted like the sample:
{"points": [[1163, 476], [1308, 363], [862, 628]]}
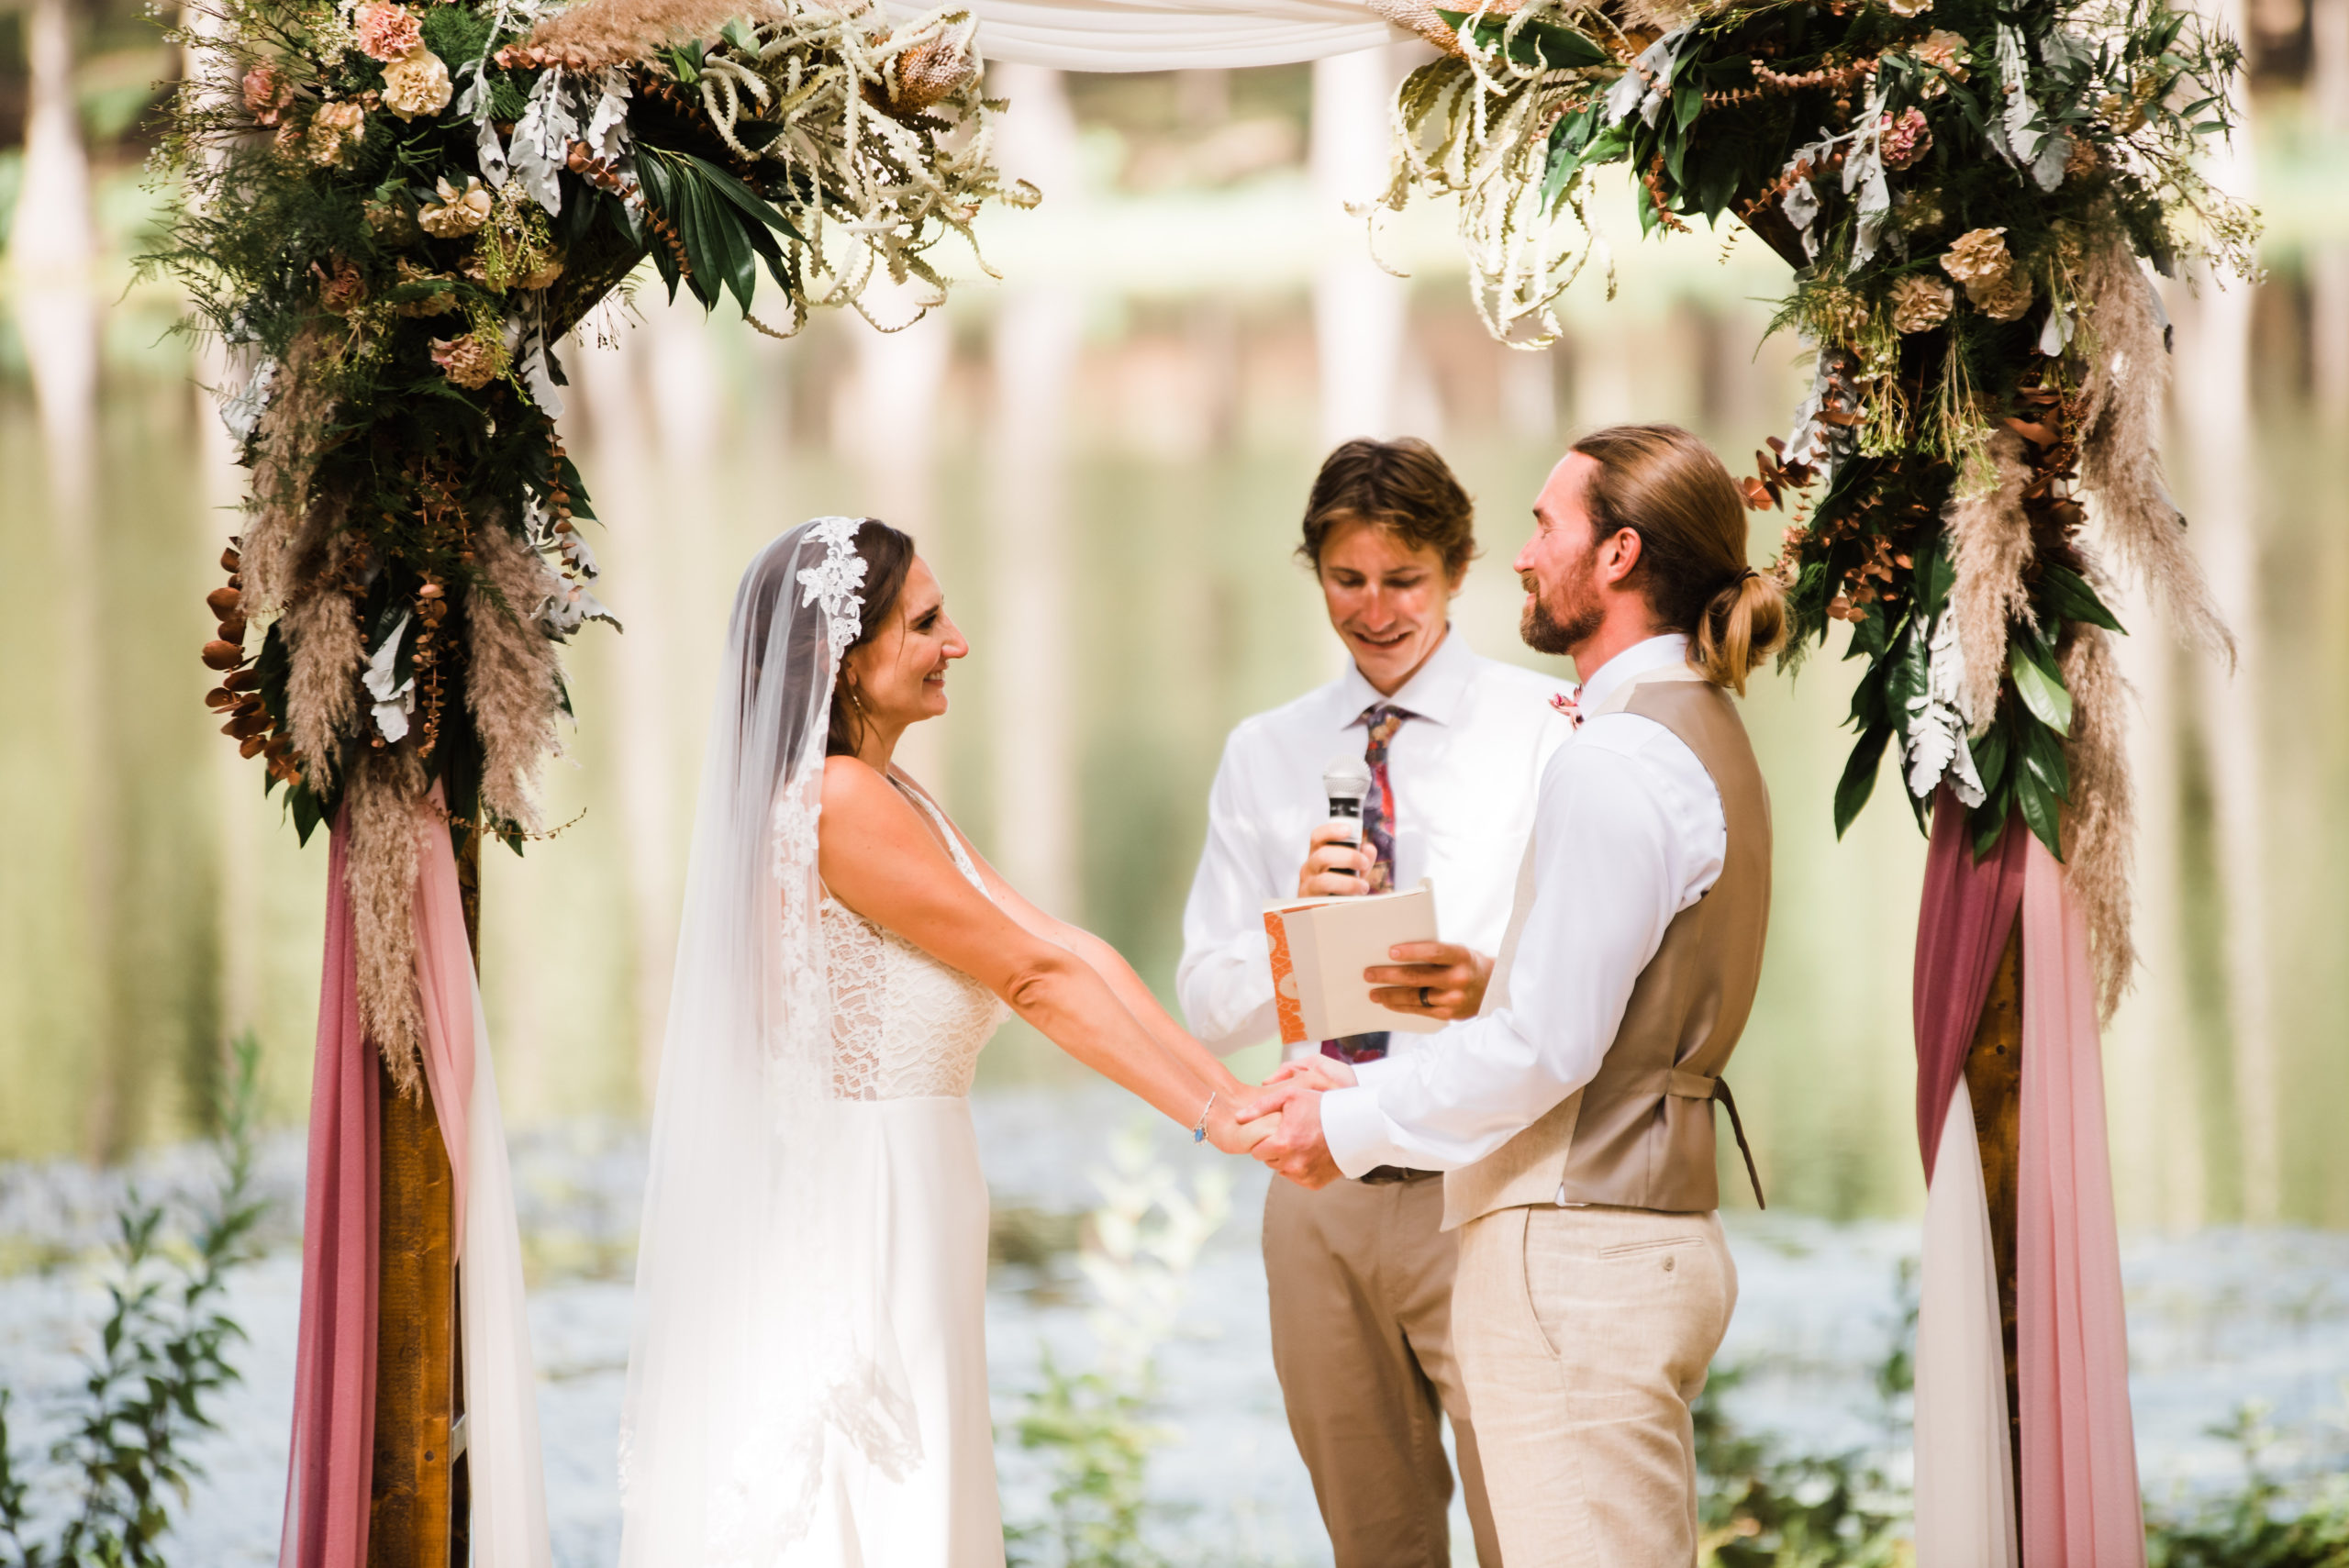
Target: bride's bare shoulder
{"points": [[853, 788]]}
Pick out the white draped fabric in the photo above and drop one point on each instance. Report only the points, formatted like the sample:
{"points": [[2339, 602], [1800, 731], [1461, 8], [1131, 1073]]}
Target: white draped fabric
{"points": [[1169, 34], [509, 1491], [1965, 1483]]}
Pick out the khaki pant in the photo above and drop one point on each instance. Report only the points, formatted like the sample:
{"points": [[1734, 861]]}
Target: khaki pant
{"points": [[1583, 1334], [1361, 1279]]}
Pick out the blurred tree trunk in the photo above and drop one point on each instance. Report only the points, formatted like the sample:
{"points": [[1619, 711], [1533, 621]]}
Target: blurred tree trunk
{"points": [[52, 252]]}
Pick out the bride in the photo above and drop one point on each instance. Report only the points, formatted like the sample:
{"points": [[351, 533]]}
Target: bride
{"points": [[808, 1383]]}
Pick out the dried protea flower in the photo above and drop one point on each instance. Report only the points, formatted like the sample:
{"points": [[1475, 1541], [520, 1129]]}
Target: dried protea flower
{"points": [[468, 362], [456, 213], [2005, 300], [439, 301], [1905, 137], [931, 71], [417, 84], [391, 218], [1979, 258], [1947, 52], [1920, 302], [342, 290], [387, 32], [334, 131]]}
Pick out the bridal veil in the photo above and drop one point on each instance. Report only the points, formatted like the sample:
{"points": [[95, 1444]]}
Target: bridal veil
{"points": [[759, 1345]]}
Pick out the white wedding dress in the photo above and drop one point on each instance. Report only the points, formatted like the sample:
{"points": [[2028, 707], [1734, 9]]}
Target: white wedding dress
{"points": [[906, 1031]]}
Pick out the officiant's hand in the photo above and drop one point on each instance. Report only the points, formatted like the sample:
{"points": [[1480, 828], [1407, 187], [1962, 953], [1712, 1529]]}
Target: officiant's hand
{"points": [[1332, 867], [1320, 1072], [1297, 1149], [1431, 980]]}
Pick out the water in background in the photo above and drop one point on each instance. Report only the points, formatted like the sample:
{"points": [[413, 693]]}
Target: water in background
{"points": [[1106, 461]]}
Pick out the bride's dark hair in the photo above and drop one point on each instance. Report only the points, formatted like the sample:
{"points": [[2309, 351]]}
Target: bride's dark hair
{"points": [[888, 556]]}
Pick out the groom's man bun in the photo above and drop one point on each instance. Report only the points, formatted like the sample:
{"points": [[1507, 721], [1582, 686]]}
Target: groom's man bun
{"points": [[1667, 487], [1402, 486]]}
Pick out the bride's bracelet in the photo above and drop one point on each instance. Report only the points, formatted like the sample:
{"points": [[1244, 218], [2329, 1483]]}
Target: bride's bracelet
{"points": [[1199, 1133]]}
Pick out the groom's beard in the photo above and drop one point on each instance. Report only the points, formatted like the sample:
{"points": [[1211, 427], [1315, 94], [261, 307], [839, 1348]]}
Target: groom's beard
{"points": [[1546, 633]]}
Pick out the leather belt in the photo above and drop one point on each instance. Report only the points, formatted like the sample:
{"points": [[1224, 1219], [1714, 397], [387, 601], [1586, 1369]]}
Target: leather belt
{"points": [[1386, 1175]]}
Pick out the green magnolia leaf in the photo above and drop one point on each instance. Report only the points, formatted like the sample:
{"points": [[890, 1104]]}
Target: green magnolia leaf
{"points": [[1990, 757], [2041, 687], [2069, 595], [1935, 575], [1859, 776], [2042, 812], [2041, 756], [1687, 102], [1988, 821], [1550, 45]]}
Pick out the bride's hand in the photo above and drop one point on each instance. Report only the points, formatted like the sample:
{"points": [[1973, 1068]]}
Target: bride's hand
{"points": [[1235, 1137]]}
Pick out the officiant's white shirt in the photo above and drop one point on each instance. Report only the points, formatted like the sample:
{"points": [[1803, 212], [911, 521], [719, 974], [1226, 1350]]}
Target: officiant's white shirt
{"points": [[1628, 832], [1464, 769]]}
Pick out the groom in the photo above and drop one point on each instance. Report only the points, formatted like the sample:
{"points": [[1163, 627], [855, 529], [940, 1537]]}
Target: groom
{"points": [[1574, 1114]]}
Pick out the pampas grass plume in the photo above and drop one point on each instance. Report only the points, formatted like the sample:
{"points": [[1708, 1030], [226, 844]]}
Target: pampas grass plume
{"points": [[2099, 826], [2127, 384], [385, 800], [596, 33], [1990, 542], [511, 688]]}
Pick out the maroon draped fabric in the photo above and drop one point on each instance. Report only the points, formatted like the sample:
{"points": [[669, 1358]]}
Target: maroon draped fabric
{"points": [[330, 1474], [1962, 925]]}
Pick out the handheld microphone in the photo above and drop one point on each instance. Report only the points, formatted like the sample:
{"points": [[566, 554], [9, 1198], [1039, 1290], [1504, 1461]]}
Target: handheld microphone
{"points": [[1347, 782]]}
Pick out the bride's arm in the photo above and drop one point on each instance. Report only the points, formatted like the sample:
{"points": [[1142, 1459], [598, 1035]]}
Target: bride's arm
{"points": [[879, 858], [1111, 966]]}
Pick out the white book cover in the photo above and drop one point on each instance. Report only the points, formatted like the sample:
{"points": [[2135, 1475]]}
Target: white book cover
{"points": [[1320, 949]]}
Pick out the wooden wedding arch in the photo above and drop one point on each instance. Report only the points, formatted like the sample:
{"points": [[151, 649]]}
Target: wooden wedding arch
{"points": [[393, 214]]}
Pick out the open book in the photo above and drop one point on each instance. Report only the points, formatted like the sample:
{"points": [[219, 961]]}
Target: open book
{"points": [[1320, 946]]}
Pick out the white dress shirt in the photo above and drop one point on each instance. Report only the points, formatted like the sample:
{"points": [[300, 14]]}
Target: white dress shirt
{"points": [[1463, 770], [1628, 832]]}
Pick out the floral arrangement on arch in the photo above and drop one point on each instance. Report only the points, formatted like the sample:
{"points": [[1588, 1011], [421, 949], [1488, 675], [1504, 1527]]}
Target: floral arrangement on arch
{"points": [[1968, 193], [391, 213]]}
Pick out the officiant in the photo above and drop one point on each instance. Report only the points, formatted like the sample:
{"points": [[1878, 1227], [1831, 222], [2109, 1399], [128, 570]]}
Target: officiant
{"points": [[1361, 1272]]}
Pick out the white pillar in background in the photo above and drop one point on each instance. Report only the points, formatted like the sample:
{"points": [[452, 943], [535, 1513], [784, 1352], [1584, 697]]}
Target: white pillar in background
{"points": [[2158, 1137], [2213, 402], [2328, 91], [1360, 310], [887, 423], [1038, 333]]}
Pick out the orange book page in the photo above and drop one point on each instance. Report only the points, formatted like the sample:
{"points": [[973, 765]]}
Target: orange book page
{"points": [[1285, 1001]]}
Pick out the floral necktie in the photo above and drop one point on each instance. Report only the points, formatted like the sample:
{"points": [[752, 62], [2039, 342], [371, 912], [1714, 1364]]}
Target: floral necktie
{"points": [[1382, 720]]}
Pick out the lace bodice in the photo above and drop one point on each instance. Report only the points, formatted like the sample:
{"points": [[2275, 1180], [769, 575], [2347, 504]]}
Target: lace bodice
{"points": [[904, 1025]]}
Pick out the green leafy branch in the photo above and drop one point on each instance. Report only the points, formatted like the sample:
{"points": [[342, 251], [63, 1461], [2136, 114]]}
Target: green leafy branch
{"points": [[163, 1357]]}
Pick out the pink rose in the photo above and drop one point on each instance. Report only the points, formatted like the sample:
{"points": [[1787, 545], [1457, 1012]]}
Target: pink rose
{"points": [[387, 31], [265, 92], [1905, 139]]}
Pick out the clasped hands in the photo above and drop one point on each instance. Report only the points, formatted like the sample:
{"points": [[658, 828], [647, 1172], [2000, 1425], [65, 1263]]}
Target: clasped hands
{"points": [[1280, 1122]]}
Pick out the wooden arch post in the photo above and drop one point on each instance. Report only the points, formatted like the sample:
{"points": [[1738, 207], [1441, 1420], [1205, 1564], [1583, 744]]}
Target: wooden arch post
{"points": [[419, 1509], [1994, 1083]]}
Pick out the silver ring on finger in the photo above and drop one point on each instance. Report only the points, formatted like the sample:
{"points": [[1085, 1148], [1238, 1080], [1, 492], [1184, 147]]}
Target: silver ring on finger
{"points": [[1423, 998]]}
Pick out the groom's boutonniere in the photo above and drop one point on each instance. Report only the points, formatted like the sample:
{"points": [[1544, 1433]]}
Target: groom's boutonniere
{"points": [[1565, 703]]}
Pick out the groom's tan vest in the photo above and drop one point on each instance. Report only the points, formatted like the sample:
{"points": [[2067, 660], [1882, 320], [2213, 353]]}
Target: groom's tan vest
{"points": [[1640, 1134]]}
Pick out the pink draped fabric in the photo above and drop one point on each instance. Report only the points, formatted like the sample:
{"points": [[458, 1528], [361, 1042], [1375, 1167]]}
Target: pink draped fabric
{"points": [[1962, 925], [329, 1476], [2080, 1505], [444, 981]]}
